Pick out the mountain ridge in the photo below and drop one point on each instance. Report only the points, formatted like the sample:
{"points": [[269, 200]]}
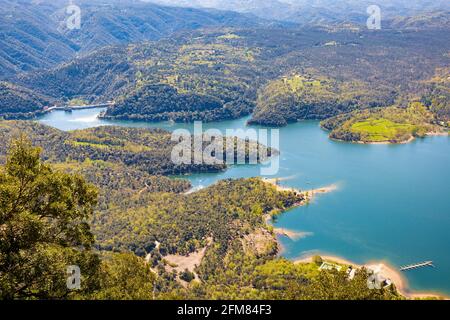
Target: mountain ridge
{"points": [[307, 12], [33, 34]]}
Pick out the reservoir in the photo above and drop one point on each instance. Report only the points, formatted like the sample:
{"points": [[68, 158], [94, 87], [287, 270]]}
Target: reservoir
{"points": [[392, 202]]}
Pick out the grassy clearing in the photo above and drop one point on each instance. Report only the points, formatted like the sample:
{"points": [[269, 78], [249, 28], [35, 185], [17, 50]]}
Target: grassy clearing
{"points": [[299, 83], [392, 124], [381, 130]]}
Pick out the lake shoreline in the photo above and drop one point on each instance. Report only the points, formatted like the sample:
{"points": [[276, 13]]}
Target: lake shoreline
{"points": [[308, 197], [409, 140], [309, 194], [386, 270], [309, 133]]}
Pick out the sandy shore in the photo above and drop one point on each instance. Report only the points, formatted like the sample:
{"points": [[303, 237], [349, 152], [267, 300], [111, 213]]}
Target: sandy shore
{"points": [[294, 235], [384, 269], [411, 139], [309, 195]]}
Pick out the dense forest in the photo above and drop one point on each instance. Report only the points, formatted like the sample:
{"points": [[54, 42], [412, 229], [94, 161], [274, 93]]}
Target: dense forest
{"points": [[342, 77], [111, 200], [297, 97], [17, 102], [62, 222], [34, 34], [147, 150], [392, 124], [403, 120], [322, 12], [281, 75]]}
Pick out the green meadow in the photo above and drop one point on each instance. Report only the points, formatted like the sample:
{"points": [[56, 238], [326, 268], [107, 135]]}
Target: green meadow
{"points": [[380, 130]]}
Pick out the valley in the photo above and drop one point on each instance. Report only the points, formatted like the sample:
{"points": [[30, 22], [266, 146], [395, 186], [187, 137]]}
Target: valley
{"points": [[215, 76], [106, 176], [364, 178]]}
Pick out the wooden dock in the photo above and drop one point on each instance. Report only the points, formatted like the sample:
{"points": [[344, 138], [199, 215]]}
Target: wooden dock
{"points": [[417, 266]]}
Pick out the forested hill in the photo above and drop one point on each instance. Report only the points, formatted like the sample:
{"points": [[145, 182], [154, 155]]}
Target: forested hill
{"points": [[148, 150], [145, 150], [29, 38], [19, 102], [151, 241], [33, 34], [102, 74], [281, 75], [428, 20], [106, 22], [317, 12]]}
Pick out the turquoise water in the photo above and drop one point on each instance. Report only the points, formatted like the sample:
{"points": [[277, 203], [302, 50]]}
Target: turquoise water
{"points": [[392, 202]]}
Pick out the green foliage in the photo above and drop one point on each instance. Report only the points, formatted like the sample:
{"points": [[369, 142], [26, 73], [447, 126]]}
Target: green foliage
{"points": [[207, 75], [36, 39], [17, 102], [380, 130], [142, 149], [193, 79], [298, 97], [317, 260], [187, 276], [334, 285], [281, 75], [43, 227], [147, 150], [162, 102], [124, 277], [30, 39], [182, 223], [242, 276], [391, 124], [77, 102]]}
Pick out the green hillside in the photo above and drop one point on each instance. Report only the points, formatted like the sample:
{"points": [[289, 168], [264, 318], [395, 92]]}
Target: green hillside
{"points": [[150, 217], [217, 75], [392, 124], [18, 102], [34, 35]]}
